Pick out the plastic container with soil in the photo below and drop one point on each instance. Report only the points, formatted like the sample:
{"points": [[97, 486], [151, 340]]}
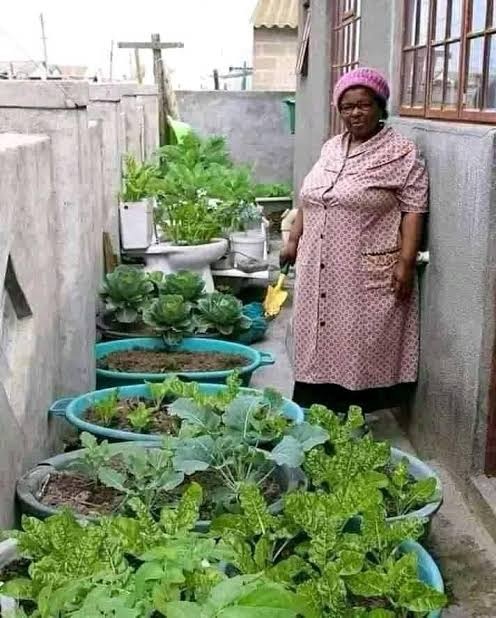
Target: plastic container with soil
{"points": [[245, 359], [32, 485], [75, 410]]}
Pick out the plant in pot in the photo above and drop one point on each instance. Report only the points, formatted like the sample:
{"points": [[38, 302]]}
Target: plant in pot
{"points": [[134, 567], [335, 568], [221, 313], [352, 460], [192, 237], [139, 183], [125, 292], [171, 317]]}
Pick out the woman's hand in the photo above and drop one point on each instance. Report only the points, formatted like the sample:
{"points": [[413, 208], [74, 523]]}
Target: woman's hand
{"points": [[288, 253], [403, 277]]}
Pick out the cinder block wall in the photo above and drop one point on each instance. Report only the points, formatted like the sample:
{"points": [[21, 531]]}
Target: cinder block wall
{"points": [[274, 58]]}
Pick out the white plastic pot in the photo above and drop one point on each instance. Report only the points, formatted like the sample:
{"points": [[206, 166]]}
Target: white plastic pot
{"points": [[171, 258], [248, 245], [136, 224], [8, 553]]}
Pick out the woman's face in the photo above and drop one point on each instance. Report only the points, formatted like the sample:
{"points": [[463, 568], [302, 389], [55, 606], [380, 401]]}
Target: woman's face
{"points": [[360, 112]]}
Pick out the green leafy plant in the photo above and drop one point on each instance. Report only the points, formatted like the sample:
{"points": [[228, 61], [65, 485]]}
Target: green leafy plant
{"points": [[141, 416], [222, 313], [94, 456], [106, 410], [185, 283], [354, 460], [273, 190], [187, 222], [120, 566], [170, 315], [138, 180], [404, 493], [125, 291], [146, 474], [334, 569]]}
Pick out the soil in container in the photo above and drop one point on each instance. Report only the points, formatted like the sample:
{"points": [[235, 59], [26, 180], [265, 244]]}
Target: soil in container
{"points": [[212, 487], [159, 421], [80, 494], [16, 568], [151, 361]]}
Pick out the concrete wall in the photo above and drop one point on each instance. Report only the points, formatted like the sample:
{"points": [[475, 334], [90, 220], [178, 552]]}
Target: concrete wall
{"points": [[56, 166], [312, 97], [274, 58], [449, 412], [254, 123]]}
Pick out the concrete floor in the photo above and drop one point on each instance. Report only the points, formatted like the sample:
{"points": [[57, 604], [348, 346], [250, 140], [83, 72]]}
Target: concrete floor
{"points": [[464, 550]]}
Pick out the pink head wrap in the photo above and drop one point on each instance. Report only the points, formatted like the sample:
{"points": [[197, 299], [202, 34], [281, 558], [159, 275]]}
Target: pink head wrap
{"points": [[365, 78]]}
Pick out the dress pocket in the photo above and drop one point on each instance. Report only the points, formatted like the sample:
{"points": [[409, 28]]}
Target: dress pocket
{"points": [[378, 269]]}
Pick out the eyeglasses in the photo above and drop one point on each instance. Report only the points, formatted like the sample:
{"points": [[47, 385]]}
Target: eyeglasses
{"points": [[346, 110]]}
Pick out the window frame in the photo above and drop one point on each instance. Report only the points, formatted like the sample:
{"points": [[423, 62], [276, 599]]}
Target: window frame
{"points": [[488, 33], [345, 51]]}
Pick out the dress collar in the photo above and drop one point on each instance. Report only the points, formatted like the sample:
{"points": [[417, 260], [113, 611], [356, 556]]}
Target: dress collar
{"points": [[370, 144]]}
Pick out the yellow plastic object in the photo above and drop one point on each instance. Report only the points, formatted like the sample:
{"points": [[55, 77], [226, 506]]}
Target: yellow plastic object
{"points": [[276, 296]]}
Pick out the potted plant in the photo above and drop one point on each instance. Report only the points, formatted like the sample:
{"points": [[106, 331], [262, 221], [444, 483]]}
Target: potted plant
{"points": [[137, 204], [339, 570], [192, 238], [239, 434], [125, 292], [134, 567], [274, 198], [142, 413]]}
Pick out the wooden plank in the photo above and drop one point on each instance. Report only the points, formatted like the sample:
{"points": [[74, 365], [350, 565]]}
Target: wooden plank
{"points": [[149, 45], [109, 257]]}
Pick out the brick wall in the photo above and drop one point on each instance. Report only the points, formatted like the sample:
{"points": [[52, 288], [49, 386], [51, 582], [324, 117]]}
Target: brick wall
{"points": [[274, 58]]}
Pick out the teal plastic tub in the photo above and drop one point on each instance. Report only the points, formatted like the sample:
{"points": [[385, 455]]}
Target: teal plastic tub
{"points": [[74, 411], [109, 379], [428, 570]]}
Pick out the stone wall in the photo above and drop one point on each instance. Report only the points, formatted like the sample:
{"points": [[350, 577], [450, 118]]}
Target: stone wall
{"points": [[254, 123], [274, 58], [58, 158]]}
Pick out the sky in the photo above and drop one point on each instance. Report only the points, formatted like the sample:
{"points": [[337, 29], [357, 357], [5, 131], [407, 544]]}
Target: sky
{"points": [[215, 33]]}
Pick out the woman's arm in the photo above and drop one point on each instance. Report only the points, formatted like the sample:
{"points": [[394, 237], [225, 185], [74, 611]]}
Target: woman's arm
{"points": [[412, 224], [289, 251]]}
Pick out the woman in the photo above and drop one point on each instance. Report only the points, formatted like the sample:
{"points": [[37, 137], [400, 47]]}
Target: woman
{"points": [[355, 242]]}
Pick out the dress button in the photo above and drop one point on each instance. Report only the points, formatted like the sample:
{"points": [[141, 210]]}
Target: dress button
{"points": [[322, 266], [322, 323], [322, 236], [323, 295], [325, 207]]}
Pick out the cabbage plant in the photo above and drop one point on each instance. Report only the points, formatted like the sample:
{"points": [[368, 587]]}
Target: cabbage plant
{"points": [[222, 313], [125, 291], [170, 315], [187, 284]]}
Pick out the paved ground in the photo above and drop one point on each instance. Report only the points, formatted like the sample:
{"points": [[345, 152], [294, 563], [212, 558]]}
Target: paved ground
{"points": [[463, 549]]}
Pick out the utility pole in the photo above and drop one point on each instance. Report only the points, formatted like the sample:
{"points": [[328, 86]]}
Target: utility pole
{"points": [[242, 72], [216, 79], [44, 40], [166, 96], [111, 68]]}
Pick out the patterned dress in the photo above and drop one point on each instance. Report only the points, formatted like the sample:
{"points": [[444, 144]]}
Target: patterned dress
{"points": [[349, 328]]}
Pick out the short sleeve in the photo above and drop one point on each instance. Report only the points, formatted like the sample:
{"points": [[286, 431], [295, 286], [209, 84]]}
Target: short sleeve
{"points": [[414, 194]]}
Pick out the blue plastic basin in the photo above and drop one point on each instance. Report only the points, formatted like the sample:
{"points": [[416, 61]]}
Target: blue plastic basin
{"points": [[74, 410], [108, 379], [428, 570]]}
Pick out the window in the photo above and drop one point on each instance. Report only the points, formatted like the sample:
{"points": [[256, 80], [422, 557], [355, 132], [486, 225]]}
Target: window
{"points": [[302, 58], [449, 59], [345, 43]]}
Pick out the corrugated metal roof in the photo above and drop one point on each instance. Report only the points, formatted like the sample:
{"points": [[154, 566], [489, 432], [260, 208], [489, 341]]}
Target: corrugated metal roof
{"points": [[276, 14]]}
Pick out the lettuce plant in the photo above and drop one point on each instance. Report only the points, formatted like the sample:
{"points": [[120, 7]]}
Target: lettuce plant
{"points": [[170, 315], [222, 313], [138, 180], [125, 292]]}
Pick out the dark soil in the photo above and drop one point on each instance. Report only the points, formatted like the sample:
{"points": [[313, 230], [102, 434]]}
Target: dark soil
{"points": [[211, 483], [79, 494], [161, 422], [17, 568], [150, 361]]}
